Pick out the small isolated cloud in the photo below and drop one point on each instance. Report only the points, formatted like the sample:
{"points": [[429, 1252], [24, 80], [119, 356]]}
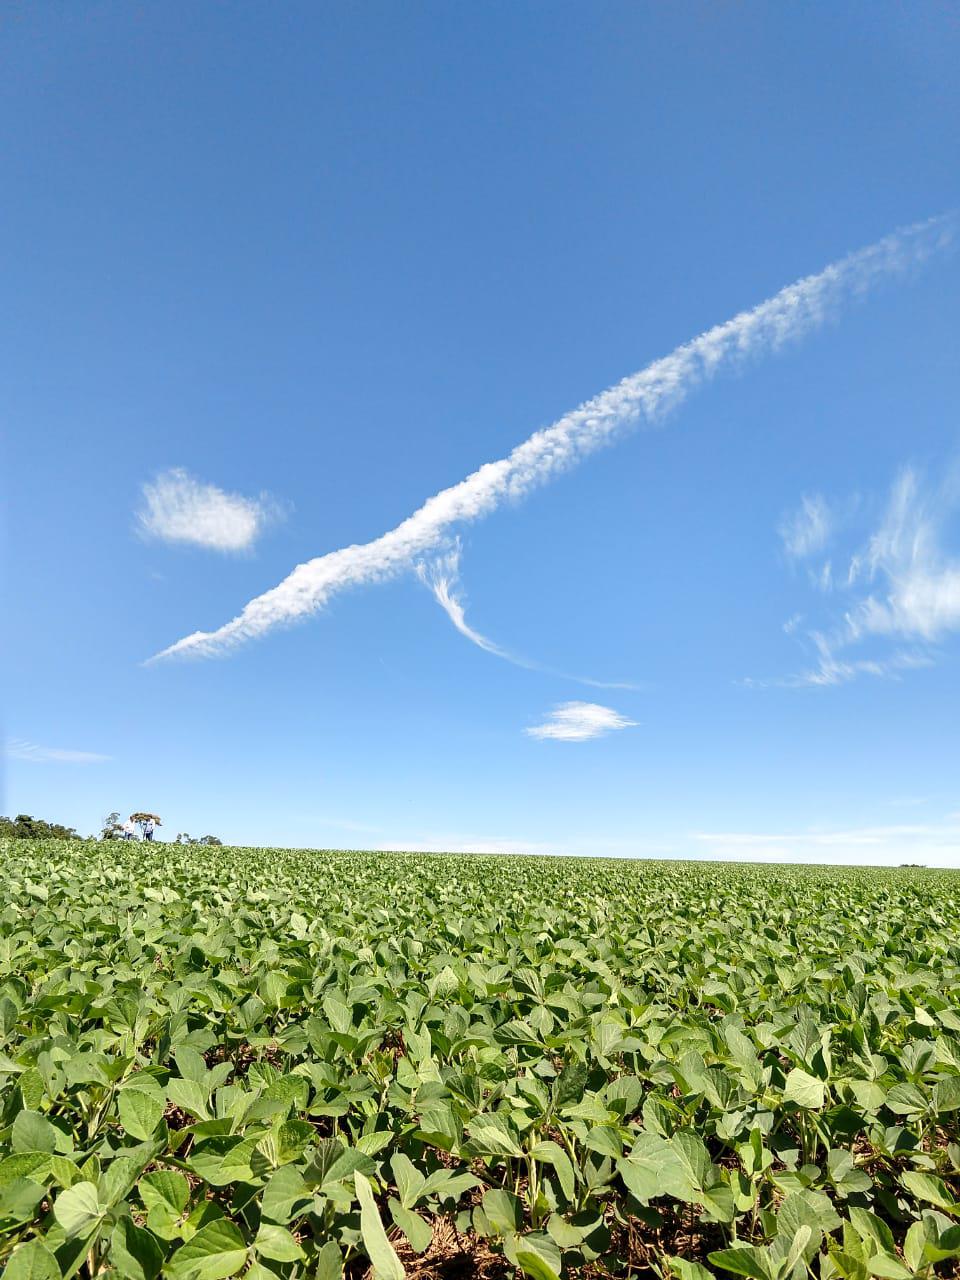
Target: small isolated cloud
{"points": [[177, 507], [578, 721], [18, 749], [806, 530]]}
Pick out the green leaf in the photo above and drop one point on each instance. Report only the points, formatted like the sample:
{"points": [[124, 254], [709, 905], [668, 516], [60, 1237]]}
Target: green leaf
{"points": [[26, 1164], [407, 1178], [235, 1165], [869, 1095], [418, 1233], [292, 1140], [277, 1243], [18, 1201], [946, 1094], [913, 1245], [869, 1227], [79, 1210], [371, 1144], [553, 1154], [346, 1165], [847, 1265], [570, 1235], [947, 1245], [117, 1179], [798, 1246], [641, 1178], [33, 1132], [283, 1194], [745, 1260], [605, 1141], [535, 1265], [569, 1084], [804, 1090], [165, 1186], [201, 1215], [189, 1096], [190, 1063], [807, 1208], [492, 1135], [881, 1264], [447, 1184], [683, 1269], [135, 1252], [537, 1255], [906, 1099], [329, 1262], [503, 1210], [215, 1252], [140, 1113], [32, 1089], [926, 1187], [32, 1261], [383, 1258], [689, 1174], [64, 1171]]}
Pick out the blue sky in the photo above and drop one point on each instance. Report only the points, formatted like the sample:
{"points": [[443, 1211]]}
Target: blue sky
{"points": [[276, 276]]}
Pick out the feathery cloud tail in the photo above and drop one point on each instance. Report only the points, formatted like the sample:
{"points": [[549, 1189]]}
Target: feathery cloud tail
{"points": [[441, 575]]}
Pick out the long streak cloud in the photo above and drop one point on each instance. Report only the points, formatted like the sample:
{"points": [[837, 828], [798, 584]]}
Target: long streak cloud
{"points": [[642, 397]]}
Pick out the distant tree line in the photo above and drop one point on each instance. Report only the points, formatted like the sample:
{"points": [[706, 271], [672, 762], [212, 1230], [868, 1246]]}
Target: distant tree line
{"points": [[24, 827]]}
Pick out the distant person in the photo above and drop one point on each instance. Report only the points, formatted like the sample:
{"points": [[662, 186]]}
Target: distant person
{"points": [[129, 830], [148, 828]]}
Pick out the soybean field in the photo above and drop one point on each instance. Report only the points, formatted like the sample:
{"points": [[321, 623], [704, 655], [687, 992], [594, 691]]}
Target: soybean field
{"points": [[275, 1063]]}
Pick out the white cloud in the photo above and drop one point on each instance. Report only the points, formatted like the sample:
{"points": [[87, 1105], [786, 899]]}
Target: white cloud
{"points": [[909, 593], [807, 529], [834, 670], [822, 578], [642, 397], [179, 508], [18, 749], [441, 575], [920, 596], [578, 721], [933, 844]]}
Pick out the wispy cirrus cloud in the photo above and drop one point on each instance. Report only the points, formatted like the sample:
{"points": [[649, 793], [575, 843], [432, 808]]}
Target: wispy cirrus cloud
{"points": [[900, 592], [919, 583], [20, 749], [807, 529], [642, 397], [177, 507], [933, 843], [578, 722], [441, 574]]}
